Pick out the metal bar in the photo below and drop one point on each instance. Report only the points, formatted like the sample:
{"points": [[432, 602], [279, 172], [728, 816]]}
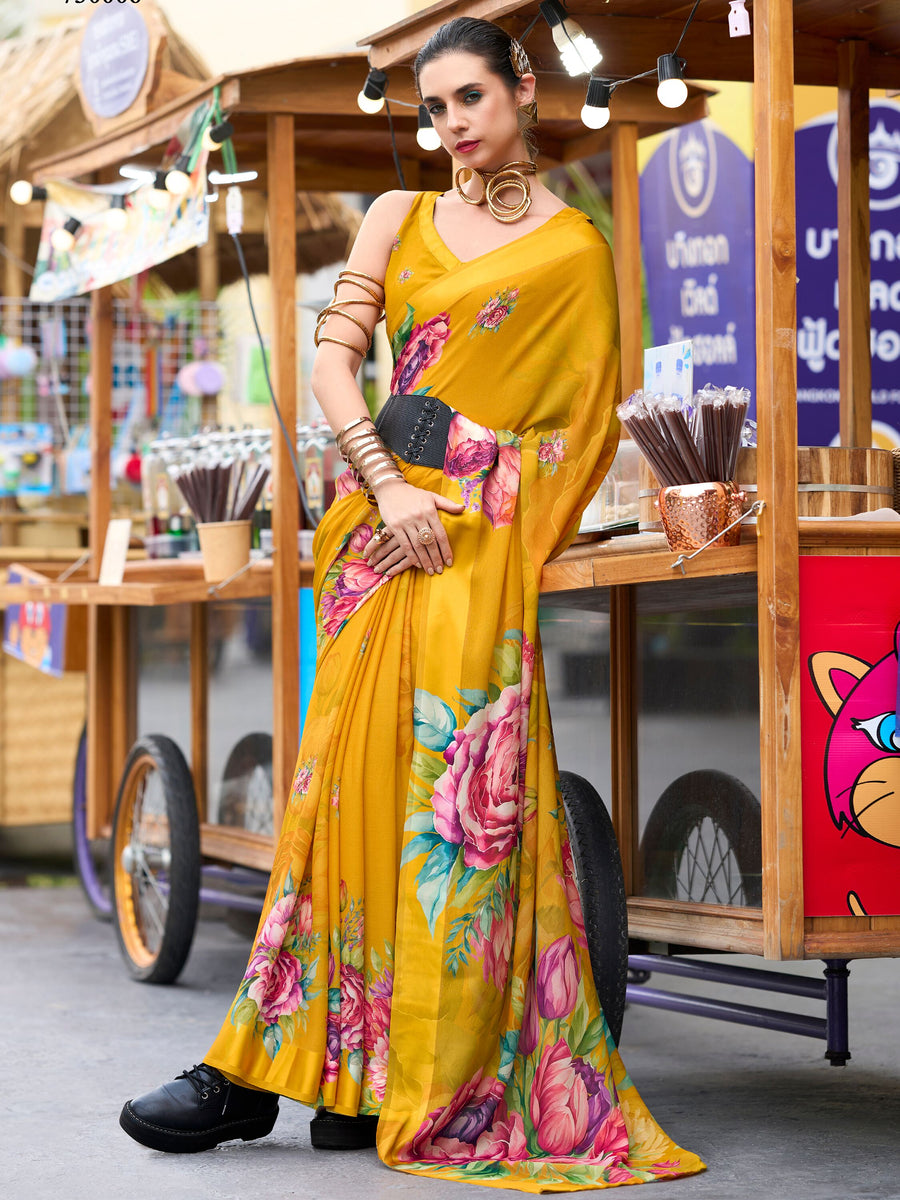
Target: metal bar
{"points": [[723, 1010], [749, 977], [234, 900], [239, 876]]}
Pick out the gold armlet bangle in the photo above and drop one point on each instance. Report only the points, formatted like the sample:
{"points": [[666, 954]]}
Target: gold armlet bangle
{"points": [[350, 275], [363, 287], [333, 310], [345, 429], [391, 473], [340, 342]]}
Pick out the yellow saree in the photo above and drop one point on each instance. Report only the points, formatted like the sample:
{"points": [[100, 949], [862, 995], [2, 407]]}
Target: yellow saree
{"points": [[422, 951]]}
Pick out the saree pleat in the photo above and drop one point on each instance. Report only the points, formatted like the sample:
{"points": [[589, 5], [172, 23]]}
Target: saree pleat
{"points": [[422, 951]]}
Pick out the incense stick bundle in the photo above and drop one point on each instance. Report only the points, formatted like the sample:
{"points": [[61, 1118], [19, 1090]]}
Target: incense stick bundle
{"points": [[688, 443], [213, 491], [718, 423]]}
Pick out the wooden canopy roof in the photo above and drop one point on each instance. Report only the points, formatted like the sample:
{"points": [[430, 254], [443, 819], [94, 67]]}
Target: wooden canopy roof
{"points": [[339, 148], [632, 33]]}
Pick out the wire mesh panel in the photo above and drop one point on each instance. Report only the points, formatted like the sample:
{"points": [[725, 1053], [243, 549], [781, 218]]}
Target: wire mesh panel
{"points": [[151, 342]]}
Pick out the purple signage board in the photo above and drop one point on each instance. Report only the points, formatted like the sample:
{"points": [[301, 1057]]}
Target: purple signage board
{"points": [[115, 54], [35, 632], [697, 237], [818, 342]]}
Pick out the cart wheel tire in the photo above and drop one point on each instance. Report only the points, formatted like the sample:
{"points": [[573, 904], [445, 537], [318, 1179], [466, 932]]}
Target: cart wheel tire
{"points": [[601, 885], [703, 842], [245, 796], [90, 856], [156, 861]]}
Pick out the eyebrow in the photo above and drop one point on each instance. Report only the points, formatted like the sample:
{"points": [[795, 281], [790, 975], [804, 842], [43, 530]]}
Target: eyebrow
{"points": [[460, 91]]}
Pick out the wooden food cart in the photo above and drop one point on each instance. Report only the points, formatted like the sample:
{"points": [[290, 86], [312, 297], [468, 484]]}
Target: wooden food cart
{"points": [[299, 126], [853, 48]]}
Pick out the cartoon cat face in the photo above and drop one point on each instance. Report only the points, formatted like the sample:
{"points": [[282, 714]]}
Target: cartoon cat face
{"points": [[862, 759]]}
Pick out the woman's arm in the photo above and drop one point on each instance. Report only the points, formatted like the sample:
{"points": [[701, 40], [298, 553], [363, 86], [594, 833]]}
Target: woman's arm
{"points": [[404, 509]]}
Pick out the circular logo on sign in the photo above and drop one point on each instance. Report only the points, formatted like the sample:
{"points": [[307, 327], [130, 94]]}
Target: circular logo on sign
{"points": [[693, 168], [884, 156], [115, 53]]}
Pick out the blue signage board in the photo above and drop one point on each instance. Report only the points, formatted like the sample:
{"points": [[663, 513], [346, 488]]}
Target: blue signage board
{"points": [[818, 341], [697, 236]]}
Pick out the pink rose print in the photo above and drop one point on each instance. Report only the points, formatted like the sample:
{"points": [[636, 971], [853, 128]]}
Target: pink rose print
{"points": [[355, 580], [501, 487], [471, 448], [557, 979], [494, 311], [303, 777], [505, 1140], [275, 972], [478, 799], [332, 1063], [377, 1015], [352, 1008], [495, 948], [450, 1134], [426, 342], [395, 244], [375, 1065], [345, 484], [551, 452], [573, 897], [569, 1102], [405, 274]]}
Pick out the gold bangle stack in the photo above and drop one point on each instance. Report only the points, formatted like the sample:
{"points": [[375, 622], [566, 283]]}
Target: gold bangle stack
{"points": [[365, 453], [340, 307]]}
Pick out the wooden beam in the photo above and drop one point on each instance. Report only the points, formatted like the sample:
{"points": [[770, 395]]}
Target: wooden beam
{"points": [[776, 458], [100, 422], [286, 513], [854, 313], [14, 241], [627, 252]]}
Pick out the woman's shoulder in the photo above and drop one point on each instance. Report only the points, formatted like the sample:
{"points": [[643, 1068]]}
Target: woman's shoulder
{"points": [[392, 208]]}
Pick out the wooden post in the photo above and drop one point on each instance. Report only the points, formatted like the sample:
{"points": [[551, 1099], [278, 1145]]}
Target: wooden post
{"points": [[208, 285], [776, 458], [853, 244], [100, 422], [282, 210], [200, 706], [627, 252], [623, 727]]}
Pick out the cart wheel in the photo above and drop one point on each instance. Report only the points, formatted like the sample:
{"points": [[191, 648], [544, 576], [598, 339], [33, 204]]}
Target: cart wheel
{"points": [[703, 842], [245, 797], [601, 885], [91, 857], [156, 861]]}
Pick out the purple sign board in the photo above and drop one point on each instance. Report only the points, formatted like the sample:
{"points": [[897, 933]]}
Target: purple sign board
{"points": [[697, 240], [35, 632], [115, 53], [818, 348]]}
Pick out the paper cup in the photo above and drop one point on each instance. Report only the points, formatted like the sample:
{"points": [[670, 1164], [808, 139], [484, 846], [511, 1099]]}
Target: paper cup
{"points": [[225, 547]]}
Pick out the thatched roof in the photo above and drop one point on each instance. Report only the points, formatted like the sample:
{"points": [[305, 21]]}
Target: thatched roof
{"points": [[39, 106]]}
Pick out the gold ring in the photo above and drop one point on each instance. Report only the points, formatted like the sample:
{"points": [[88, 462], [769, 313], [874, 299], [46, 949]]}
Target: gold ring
{"points": [[426, 536], [383, 535]]}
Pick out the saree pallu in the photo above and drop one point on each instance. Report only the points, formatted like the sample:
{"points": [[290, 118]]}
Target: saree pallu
{"points": [[422, 951]]}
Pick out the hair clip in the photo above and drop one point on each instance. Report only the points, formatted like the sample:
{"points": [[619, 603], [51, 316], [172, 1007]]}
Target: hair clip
{"points": [[518, 58]]}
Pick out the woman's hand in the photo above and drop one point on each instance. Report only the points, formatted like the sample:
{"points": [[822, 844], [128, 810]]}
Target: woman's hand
{"points": [[411, 514]]}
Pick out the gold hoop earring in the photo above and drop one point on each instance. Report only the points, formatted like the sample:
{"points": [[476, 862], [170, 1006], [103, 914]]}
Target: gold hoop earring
{"points": [[527, 116]]}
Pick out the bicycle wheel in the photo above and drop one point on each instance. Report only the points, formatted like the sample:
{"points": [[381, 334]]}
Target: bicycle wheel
{"points": [[245, 796], [156, 861], [703, 842], [90, 855], [601, 885]]}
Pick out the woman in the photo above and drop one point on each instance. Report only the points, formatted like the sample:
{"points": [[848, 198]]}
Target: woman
{"points": [[421, 970]]}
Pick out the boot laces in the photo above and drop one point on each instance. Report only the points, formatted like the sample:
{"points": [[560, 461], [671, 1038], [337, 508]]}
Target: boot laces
{"points": [[204, 1079]]}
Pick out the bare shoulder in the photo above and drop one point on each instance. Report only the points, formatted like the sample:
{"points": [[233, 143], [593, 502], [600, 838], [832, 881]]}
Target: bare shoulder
{"points": [[383, 218]]}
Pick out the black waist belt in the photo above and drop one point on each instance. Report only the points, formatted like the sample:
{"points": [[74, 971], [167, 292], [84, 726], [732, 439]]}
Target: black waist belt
{"points": [[415, 428]]}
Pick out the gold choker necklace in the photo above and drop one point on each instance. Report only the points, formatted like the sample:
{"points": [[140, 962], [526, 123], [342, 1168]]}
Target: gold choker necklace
{"points": [[511, 175]]}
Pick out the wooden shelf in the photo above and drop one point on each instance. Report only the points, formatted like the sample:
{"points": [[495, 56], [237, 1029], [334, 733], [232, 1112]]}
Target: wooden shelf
{"points": [[713, 926], [641, 558], [237, 846], [153, 582]]}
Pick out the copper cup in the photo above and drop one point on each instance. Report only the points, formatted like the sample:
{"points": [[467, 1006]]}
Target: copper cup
{"points": [[693, 513]]}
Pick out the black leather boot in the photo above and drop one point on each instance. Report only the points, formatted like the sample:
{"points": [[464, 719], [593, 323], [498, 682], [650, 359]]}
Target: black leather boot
{"points": [[334, 1131], [198, 1110]]}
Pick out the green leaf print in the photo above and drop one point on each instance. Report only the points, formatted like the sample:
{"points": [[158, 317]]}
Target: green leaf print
{"points": [[473, 699], [432, 881], [590, 1038], [272, 1039], [355, 1065], [401, 337], [509, 663], [434, 721], [245, 1013], [422, 843]]}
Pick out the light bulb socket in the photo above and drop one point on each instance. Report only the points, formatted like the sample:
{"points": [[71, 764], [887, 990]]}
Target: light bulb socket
{"points": [[117, 200], [72, 226], [598, 92], [669, 66], [159, 180], [219, 134], [425, 121], [375, 85], [554, 12], [22, 192]]}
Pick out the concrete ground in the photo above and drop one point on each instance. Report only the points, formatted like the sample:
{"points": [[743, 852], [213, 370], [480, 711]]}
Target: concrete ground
{"points": [[770, 1117]]}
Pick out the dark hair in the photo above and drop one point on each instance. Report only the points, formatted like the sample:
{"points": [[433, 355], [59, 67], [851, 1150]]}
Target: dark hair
{"points": [[468, 35]]}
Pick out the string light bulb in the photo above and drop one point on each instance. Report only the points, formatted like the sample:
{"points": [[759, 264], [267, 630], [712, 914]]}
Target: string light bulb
{"points": [[371, 98], [159, 196], [578, 52], [595, 113], [116, 216], [672, 90], [63, 237], [216, 135], [23, 191], [426, 135], [178, 179]]}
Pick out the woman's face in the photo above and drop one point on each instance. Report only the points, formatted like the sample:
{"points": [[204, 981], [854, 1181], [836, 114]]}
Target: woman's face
{"points": [[473, 110]]}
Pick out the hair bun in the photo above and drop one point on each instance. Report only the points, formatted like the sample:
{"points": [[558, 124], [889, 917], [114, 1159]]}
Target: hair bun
{"points": [[518, 58]]}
